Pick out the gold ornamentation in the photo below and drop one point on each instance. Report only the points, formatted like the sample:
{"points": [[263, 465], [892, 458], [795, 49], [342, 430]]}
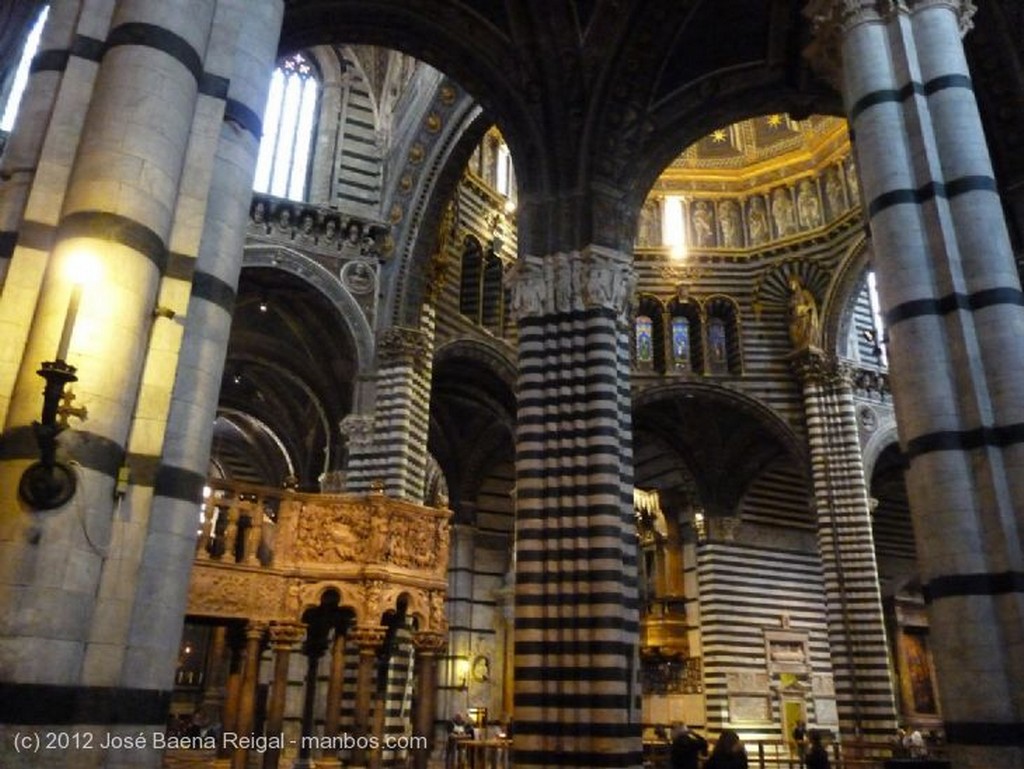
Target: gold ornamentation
{"points": [[429, 642]]}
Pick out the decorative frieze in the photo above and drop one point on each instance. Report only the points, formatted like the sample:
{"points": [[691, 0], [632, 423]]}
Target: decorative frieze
{"points": [[573, 282]]}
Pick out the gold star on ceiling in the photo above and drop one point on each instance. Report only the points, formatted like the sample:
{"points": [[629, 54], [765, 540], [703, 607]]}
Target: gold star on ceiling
{"points": [[774, 121], [718, 136]]}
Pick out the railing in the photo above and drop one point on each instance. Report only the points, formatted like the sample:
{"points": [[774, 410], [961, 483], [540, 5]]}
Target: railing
{"points": [[781, 754]]}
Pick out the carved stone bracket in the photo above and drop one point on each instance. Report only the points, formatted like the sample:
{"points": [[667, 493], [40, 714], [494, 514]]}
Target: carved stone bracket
{"points": [[570, 282]]}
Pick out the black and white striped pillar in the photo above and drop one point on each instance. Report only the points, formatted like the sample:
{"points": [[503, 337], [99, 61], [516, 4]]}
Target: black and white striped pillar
{"points": [[955, 313], [393, 457], [865, 700], [576, 625]]}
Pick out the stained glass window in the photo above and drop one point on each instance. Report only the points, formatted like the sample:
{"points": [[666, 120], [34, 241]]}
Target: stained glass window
{"points": [[681, 342], [644, 340]]}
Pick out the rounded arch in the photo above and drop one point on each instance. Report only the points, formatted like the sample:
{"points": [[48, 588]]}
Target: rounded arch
{"points": [[846, 281], [472, 420], [497, 360], [715, 441], [773, 422], [882, 439], [358, 327]]}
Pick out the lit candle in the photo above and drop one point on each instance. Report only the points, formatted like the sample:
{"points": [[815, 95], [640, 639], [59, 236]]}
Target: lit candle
{"points": [[69, 322]]}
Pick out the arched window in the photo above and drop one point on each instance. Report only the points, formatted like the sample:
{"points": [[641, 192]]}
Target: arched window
{"points": [[687, 334], [879, 339], [724, 353], [644, 341], [21, 76], [481, 286], [288, 123]]}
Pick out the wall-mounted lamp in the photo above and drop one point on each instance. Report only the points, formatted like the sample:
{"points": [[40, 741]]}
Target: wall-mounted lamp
{"points": [[462, 672], [700, 525], [48, 484]]}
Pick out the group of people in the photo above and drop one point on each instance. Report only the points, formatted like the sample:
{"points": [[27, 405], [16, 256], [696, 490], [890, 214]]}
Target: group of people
{"points": [[688, 746], [730, 753]]}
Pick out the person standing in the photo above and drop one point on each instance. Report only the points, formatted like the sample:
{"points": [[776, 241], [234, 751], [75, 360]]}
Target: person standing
{"points": [[687, 745], [729, 752], [800, 740], [817, 756]]}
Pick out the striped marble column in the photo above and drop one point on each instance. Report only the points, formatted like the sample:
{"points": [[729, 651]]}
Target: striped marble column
{"points": [[241, 55], [117, 215], [955, 313], [865, 700], [22, 155], [393, 457], [138, 176], [576, 624]]}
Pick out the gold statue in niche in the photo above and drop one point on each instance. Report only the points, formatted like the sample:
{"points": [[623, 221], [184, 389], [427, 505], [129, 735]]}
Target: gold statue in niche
{"points": [[804, 322]]}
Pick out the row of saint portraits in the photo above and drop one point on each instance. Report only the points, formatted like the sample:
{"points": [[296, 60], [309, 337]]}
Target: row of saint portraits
{"points": [[757, 220], [311, 228]]}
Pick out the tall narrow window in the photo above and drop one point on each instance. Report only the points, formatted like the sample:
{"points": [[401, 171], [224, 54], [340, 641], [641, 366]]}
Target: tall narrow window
{"points": [[644, 341], [21, 76], [876, 317], [288, 123]]}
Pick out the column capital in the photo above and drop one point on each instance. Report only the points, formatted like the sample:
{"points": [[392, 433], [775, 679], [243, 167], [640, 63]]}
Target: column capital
{"points": [[285, 635], [568, 282], [358, 429], [429, 641], [255, 630], [367, 637], [812, 366], [831, 19], [399, 342]]}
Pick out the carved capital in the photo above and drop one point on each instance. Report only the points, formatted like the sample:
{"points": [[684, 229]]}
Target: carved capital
{"points": [[367, 637], [255, 630], [569, 282], [812, 366], [285, 635], [358, 429], [429, 642], [399, 343], [832, 19]]}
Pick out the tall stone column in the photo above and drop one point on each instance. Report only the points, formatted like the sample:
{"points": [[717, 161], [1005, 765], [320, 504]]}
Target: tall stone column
{"points": [[953, 306], [332, 706], [246, 37], [22, 156], [283, 639], [254, 635], [395, 462], [368, 640], [576, 627], [428, 645], [865, 700]]}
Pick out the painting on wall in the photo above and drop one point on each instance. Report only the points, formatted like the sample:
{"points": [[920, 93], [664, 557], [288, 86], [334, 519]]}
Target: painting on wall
{"points": [[918, 684]]}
